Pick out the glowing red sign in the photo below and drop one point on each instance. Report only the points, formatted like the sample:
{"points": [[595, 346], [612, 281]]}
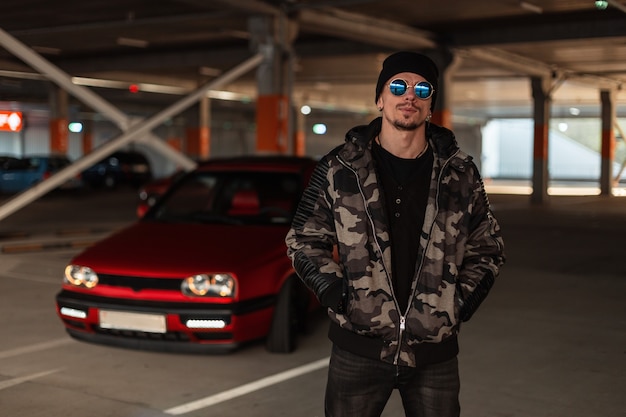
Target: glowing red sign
{"points": [[10, 121]]}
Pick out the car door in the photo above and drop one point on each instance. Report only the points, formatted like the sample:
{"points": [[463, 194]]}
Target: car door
{"points": [[14, 175]]}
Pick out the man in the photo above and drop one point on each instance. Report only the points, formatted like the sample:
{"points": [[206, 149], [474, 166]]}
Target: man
{"points": [[395, 236]]}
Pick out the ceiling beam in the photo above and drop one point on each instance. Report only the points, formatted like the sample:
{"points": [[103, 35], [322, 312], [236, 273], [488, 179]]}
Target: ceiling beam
{"points": [[250, 6], [345, 25], [576, 26], [512, 62]]}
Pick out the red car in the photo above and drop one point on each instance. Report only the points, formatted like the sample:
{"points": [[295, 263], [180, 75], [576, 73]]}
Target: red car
{"points": [[205, 269]]}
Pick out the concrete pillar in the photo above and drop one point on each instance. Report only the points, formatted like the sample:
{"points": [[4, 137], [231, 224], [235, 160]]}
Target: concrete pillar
{"points": [[273, 125], [174, 136], [198, 137], [22, 133], [607, 99], [447, 64], [541, 101], [87, 139], [299, 137], [59, 133]]}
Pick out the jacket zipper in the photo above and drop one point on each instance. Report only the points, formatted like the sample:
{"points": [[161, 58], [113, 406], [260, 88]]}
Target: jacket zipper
{"points": [[419, 269], [402, 322], [371, 222]]}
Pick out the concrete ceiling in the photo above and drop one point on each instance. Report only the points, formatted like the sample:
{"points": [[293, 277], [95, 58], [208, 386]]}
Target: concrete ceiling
{"points": [[174, 45]]}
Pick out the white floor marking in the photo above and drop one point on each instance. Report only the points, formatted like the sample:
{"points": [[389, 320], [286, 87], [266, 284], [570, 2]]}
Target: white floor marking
{"points": [[247, 388], [15, 381], [35, 348]]}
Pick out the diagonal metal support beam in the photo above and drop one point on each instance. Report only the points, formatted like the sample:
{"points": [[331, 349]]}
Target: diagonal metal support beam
{"points": [[85, 95], [133, 131]]}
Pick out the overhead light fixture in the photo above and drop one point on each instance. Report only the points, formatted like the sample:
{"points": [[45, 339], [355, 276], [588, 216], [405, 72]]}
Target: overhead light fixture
{"points": [[574, 111], [136, 43], [530, 7], [602, 4], [209, 72]]}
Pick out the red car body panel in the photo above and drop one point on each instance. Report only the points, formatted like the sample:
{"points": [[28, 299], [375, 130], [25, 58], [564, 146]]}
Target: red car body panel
{"points": [[141, 268]]}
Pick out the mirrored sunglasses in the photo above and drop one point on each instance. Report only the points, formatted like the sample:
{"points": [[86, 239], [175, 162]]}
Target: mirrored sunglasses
{"points": [[423, 90]]}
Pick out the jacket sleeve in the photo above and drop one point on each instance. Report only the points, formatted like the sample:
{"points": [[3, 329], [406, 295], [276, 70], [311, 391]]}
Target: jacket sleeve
{"points": [[483, 257], [312, 239]]}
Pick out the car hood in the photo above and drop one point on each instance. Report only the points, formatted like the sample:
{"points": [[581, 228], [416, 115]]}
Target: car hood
{"points": [[173, 250]]}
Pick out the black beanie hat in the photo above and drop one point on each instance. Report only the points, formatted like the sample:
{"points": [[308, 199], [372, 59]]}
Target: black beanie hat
{"points": [[406, 61]]}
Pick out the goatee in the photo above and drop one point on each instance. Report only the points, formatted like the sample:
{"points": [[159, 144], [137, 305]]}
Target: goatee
{"points": [[406, 125]]}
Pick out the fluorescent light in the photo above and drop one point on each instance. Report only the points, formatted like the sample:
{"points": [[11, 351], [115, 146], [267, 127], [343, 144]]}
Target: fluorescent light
{"points": [[136, 43], [75, 127], [210, 72], [319, 129], [530, 7]]}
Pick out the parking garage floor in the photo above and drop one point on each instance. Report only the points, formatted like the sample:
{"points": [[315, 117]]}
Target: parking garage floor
{"points": [[550, 341]]}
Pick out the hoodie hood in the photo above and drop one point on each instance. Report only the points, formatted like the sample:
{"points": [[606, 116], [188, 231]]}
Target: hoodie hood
{"points": [[440, 138]]}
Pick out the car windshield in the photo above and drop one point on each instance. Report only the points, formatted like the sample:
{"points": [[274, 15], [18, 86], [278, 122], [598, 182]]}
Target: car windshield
{"points": [[259, 198]]}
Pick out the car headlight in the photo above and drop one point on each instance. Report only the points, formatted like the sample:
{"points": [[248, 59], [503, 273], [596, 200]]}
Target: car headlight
{"points": [[80, 276], [209, 285]]}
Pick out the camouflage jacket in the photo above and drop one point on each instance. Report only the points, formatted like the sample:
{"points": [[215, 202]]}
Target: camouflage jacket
{"points": [[339, 243]]}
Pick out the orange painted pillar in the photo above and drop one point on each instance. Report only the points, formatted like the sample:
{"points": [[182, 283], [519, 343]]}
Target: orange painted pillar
{"points": [[87, 142], [442, 116], [607, 98], [59, 132], [299, 147], [541, 135], [198, 140], [59, 136], [299, 134], [441, 113], [272, 112]]}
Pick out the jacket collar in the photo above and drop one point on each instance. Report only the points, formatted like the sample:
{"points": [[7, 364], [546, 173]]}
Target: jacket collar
{"points": [[359, 141]]}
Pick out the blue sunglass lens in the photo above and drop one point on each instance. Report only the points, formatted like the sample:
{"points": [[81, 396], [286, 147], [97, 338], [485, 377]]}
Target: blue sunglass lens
{"points": [[423, 90], [397, 87]]}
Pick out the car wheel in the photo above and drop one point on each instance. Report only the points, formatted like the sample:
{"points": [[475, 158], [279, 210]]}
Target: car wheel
{"points": [[285, 323]]}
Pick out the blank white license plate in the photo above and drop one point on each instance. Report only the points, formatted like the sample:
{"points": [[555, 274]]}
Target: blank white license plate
{"points": [[142, 322]]}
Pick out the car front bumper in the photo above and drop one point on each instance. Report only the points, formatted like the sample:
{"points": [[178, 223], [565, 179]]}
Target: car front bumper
{"points": [[164, 326]]}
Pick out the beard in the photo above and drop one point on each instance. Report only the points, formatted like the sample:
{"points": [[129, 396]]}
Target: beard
{"points": [[407, 123]]}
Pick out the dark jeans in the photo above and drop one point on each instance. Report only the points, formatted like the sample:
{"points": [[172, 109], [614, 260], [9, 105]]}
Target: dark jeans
{"points": [[360, 387]]}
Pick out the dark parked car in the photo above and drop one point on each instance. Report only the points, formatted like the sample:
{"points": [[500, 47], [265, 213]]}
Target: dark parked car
{"points": [[121, 167], [18, 174], [204, 269]]}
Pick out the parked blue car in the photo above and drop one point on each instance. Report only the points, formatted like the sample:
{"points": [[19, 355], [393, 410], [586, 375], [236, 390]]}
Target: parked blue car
{"points": [[19, 174]]}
